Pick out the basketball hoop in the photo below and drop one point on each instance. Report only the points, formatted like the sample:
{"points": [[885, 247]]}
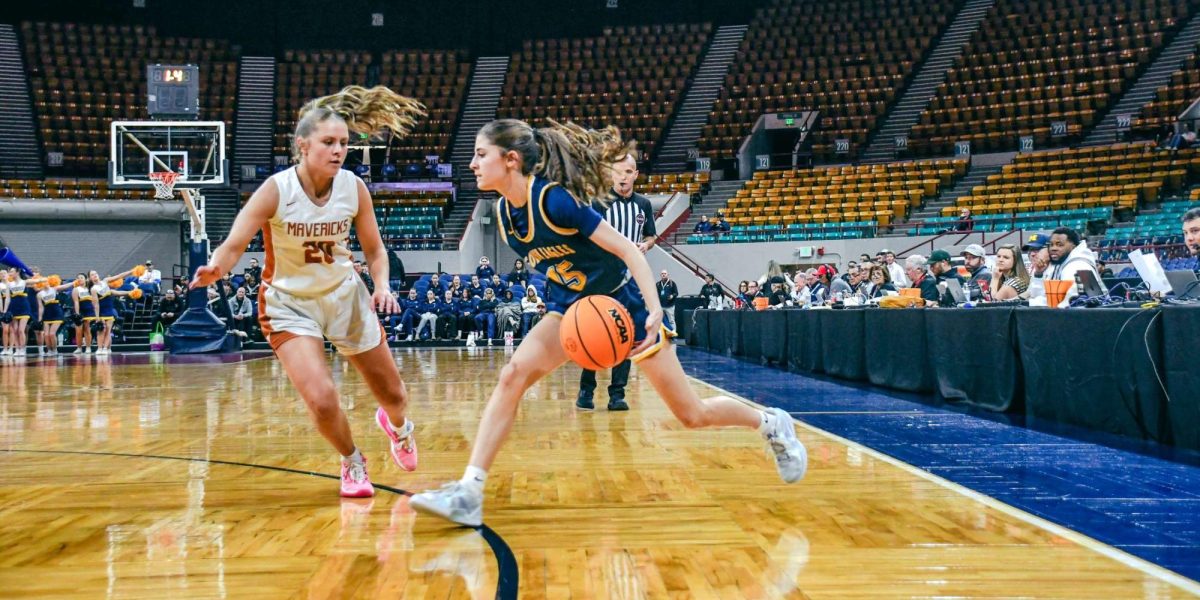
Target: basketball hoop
{"points": [[164, 184]]}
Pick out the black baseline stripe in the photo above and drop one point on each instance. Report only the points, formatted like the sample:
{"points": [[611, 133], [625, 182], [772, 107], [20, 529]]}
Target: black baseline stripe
{"points": [[508, 576]]}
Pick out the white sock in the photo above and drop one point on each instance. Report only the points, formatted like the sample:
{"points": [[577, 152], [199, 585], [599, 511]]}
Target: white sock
{"points": [[474, 479], [355, 457], [403, 430], [766, 424]]}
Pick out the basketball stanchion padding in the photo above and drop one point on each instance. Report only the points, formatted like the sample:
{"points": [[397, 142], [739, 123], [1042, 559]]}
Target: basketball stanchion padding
{"points": [[597, 333]]}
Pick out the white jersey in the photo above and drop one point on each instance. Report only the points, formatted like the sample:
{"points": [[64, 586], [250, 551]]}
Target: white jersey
{"points": [[306, 244], [48, 295], [16, 286]]}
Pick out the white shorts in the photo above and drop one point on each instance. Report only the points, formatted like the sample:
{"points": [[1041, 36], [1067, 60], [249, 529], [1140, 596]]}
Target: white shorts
{"points": [[344, 316]]}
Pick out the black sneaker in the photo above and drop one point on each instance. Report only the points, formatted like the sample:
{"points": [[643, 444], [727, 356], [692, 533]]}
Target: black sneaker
{"points": [[584, 402], [617, 404]]}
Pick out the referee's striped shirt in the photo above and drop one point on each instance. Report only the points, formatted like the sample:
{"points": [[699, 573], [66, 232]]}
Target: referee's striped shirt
{"points": [[632, 217]]}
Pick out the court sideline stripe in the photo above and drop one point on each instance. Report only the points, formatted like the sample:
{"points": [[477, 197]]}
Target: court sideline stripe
{"points": [[508, 576], [1125, 558]]}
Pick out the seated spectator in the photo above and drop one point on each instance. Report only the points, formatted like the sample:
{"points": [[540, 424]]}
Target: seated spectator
{"points": [[218, 305], [979, 278], [819, 284], [151, 281], [1011, 278], [1104, 270], [529, 309], [896, 270], [361, 268], [497, 285], [484, 270], [878, 282], [703, 226], [519, 275], [719, 225], [405, 323], [429, 314], [485, 316], [710, 291], [251, 285], [437, 285], [253, 269], [241, 310], [468, 304], [752, 292], [1069, 254], [1039, 263], [742, 298], [840, 287], [863, 259], [508, 314], [774, 270], [169, 309], [942, 271], [801, 295], [1191, 231], [476, 288], [456, 286], [778, 297], [447, 320], [965, 222], [917, 271]]}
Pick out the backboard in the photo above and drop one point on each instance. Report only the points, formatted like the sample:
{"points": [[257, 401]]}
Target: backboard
{"points": [[194, 149]]}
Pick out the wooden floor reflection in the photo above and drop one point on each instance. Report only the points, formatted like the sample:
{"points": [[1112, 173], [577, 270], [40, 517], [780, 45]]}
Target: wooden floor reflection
{"points": [[592, 505]]}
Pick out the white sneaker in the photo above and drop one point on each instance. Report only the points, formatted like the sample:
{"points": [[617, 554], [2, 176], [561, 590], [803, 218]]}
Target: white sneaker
{"points": [[453, 502], [78, 351], [409, 338], [791, 458], [6, 352], [20, 352], [470, 340], [88, 350]]}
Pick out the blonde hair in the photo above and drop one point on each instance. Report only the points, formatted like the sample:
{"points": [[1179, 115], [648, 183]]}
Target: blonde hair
{"points": [[367, 111], [577, 158]]}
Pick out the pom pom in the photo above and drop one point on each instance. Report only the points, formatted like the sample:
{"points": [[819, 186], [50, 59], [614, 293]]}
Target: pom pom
{"points": [[135, 293], [55, 281], [139, 270]]}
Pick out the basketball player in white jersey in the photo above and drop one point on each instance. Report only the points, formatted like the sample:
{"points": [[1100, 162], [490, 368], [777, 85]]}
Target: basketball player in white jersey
{"points": [[309, 287]]}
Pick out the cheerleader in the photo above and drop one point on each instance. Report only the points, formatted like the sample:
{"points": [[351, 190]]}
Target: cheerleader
{"points": [[85, 314], [103, 298], [21, 311], [5, 316], [50, 313]]}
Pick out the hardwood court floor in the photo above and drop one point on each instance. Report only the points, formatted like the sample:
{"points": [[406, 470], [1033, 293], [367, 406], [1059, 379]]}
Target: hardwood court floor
{"points": [[592, 505]]}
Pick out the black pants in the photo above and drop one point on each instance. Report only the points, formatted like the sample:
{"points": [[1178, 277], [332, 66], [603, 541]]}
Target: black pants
{"points": [[616, 388]]}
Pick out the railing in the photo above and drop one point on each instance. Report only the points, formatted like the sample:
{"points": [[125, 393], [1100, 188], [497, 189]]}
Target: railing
{"points": [[694, 266]]}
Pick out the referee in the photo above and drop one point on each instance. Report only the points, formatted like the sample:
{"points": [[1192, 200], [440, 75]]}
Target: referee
{"points": [[630, 214]]}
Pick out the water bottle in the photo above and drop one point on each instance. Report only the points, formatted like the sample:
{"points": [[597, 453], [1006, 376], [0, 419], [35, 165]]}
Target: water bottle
{"points": [[508, 339]]}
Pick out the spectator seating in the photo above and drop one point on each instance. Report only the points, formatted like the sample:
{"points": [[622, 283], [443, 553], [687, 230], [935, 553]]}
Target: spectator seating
{"points": [[304, 75], [536, 279], [1169, 100], [1154, 229], [1036, 62], [789, 233], [84, 76], [1118, 175], [1076, 219], [438, 78], [631, 77], [669, 183], [877, 193], [848, 59], [69, 189]]}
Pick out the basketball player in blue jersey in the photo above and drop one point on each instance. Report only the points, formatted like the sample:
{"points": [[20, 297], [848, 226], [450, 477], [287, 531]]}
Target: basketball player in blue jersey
{"points": [[548, 178]]}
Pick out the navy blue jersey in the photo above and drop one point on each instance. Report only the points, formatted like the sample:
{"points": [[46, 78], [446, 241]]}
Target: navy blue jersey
{"points": [[552, 231]]}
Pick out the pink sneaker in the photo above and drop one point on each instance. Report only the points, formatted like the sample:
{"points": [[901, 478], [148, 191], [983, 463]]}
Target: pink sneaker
{"points": [[404, 445], [355, 483]]}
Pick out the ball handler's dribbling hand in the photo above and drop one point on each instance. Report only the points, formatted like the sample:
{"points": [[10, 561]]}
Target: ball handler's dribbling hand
{"points": [[653, 327], [384, 302], [204, 277]]}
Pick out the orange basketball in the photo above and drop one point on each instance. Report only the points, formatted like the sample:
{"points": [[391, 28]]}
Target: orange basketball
{"points": [[597, 333]]}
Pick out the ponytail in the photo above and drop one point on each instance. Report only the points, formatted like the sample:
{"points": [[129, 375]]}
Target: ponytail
{"points": [[577, 158], [365, 111]]}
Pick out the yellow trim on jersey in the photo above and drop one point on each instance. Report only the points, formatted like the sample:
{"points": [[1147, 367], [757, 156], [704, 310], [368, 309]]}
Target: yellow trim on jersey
{"points": [[501, 215], [18, 294], [664, 338], [529, 214], [546, 216]]}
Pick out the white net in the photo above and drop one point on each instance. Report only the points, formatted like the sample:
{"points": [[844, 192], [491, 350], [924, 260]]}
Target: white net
{"points": [[164, 184]]}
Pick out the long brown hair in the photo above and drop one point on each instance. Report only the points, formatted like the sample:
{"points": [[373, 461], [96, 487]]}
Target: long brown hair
{"points": [[577, 158], [1019, 271], [367, 111]]}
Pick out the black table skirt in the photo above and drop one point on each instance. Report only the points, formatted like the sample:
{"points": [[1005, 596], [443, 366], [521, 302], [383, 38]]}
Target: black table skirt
{"points": [[725, 332], [896, 355], [804, 341], [974, 356], [697, 332], [842, 343], [1078, 371], [764, 336], [1180, 327]]}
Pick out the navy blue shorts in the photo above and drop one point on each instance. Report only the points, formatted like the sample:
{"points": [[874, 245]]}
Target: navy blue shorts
{"points": [[630, 296]]}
